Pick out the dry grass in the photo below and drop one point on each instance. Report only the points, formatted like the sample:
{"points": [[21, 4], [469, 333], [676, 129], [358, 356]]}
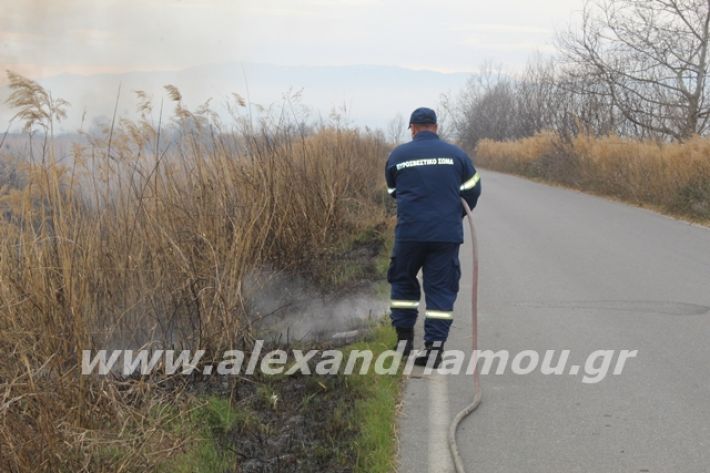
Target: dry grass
{"points": [[674, 177], [145, 236]]}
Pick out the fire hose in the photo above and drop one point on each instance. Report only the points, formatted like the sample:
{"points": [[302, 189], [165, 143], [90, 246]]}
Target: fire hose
{"points": [[466, 411]]}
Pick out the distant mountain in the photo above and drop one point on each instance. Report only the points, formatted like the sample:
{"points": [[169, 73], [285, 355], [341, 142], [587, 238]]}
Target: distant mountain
{"points": [[371, 95]]}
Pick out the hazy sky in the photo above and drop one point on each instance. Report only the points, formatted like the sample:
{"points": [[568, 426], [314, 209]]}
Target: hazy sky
{"points": [[46, 37]]}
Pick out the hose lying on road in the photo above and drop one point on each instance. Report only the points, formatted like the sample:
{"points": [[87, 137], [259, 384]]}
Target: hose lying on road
{"points": [[458, 462]]}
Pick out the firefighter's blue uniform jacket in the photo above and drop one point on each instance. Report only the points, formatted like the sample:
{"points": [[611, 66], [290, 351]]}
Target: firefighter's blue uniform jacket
{"points": [[428, 177]]}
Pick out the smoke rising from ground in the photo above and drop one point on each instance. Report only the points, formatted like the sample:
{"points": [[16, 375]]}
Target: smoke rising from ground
{"points": [[288, 308]]}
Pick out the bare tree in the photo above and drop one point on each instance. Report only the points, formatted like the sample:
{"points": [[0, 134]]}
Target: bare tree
{"points": [[538, 98], [485, 108], [395, 127], [649, 59], [582, 107]]}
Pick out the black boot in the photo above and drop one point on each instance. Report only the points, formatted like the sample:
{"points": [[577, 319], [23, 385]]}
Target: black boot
{"points": [[433, 352], [405, 340]]}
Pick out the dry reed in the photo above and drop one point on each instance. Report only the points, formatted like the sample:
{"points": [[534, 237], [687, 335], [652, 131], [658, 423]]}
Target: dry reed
{"points": [[144, 236], [674, 177]]}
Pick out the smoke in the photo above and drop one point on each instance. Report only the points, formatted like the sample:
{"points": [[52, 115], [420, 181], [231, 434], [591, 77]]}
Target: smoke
{"points": [[287, 308]]}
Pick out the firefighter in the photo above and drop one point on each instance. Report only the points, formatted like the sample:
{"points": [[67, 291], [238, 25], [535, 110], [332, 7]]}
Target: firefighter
{"points": [[427, 177]]}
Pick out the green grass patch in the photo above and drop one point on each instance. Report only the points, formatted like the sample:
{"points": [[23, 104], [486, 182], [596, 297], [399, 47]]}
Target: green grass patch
{"points": [[374, 412], [210, 422]]}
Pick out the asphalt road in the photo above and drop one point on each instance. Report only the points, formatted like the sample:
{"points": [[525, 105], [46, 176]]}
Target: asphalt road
{"points": [[559, 270]]}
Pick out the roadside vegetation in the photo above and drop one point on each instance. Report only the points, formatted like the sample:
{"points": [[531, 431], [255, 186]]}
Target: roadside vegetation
{"points": [[142, 234], [671, 177], [621, 109]]}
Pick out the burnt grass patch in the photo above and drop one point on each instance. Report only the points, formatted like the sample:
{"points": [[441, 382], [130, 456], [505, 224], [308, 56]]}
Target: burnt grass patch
{"points": [[296, 423], [288, 423]]}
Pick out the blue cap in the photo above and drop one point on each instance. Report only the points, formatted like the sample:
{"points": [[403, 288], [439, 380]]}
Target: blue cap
{"points": [[422, 116]]}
